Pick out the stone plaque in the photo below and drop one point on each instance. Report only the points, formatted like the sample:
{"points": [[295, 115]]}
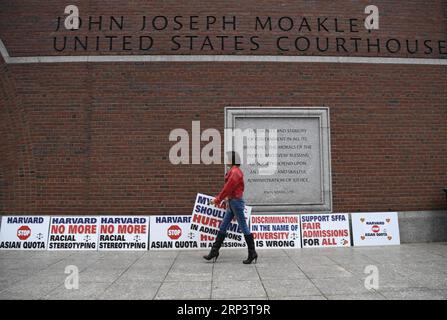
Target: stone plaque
{"points": [[301, 180]]}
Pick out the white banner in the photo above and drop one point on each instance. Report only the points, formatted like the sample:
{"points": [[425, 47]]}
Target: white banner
{"points": [[171, 233], [123, 233], [24, 232], [375, 228], [276, 231], [206, 219], [73, 233], [325, 230]]}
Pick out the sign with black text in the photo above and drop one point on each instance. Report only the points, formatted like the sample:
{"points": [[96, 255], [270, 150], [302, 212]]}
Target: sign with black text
{"points": [[24, 232], [205, 223], [172, 233], [325, 230], [73, 233], [276, 231], [123, 233]]}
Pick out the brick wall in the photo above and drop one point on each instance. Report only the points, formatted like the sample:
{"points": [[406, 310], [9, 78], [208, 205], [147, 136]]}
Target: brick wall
{"points": [[92, 138]]}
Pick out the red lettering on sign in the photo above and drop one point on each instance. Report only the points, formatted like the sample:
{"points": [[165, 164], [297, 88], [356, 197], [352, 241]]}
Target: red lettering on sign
{"points": [[205, 237], [206, 221], [131, 229], [107, 228], [81, 229], [311, 225], [329, 242], [55, 229]]}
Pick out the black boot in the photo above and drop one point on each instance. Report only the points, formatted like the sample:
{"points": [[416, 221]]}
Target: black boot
{"points": [[252, 255], [214, 253]]}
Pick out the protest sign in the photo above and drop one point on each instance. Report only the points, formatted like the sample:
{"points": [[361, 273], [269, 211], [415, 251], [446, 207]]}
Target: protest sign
{"points": [[73, 233], [123, 233], [375, 229], [171, 233], [276, 231], [325, 230], [206, 219], [24, 233]]}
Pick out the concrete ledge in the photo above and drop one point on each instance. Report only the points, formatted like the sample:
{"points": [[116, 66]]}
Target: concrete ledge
{"points": [[216, 58], [423, 226]]}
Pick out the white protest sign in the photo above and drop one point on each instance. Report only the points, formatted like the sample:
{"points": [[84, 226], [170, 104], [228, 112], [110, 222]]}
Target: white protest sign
{"points": [[73, 233], [325, 230], [24, 232], [171, 233], [123, 233], [375, 228], [276, 231], [206, 219]]}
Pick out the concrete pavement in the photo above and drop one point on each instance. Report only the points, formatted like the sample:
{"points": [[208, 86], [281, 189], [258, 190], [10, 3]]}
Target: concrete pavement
{"points": [[408, 271]]}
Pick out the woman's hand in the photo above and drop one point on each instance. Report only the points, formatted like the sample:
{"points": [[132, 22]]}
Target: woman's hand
{"points": [[213, 201]]}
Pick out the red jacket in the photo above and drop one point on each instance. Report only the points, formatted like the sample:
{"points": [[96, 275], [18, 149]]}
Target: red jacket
{"points": [[234, 185]]}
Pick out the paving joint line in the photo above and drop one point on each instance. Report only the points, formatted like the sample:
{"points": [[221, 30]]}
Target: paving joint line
{"points": [[120, 275], [308, 278], [63, 284], [212, 280], [166, 275], [260, 279]]}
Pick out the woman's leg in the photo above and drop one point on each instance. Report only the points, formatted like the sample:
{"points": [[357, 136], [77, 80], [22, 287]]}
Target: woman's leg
{"points": [[238, 206], [229, 214], [214, 253]]}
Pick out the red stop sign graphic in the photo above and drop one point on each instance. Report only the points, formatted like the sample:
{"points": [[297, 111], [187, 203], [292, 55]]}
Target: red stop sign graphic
{"points": [[174, 232], [375, 228], [23, 232]]}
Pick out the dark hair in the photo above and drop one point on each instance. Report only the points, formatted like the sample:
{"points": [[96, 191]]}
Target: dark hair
{"points": [[235, 159]]}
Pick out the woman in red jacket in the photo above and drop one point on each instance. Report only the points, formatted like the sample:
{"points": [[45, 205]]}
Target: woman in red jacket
{"points": [[233, 191]]}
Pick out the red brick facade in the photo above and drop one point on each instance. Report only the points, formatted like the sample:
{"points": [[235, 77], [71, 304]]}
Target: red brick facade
{"points": [[92, 138]]}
